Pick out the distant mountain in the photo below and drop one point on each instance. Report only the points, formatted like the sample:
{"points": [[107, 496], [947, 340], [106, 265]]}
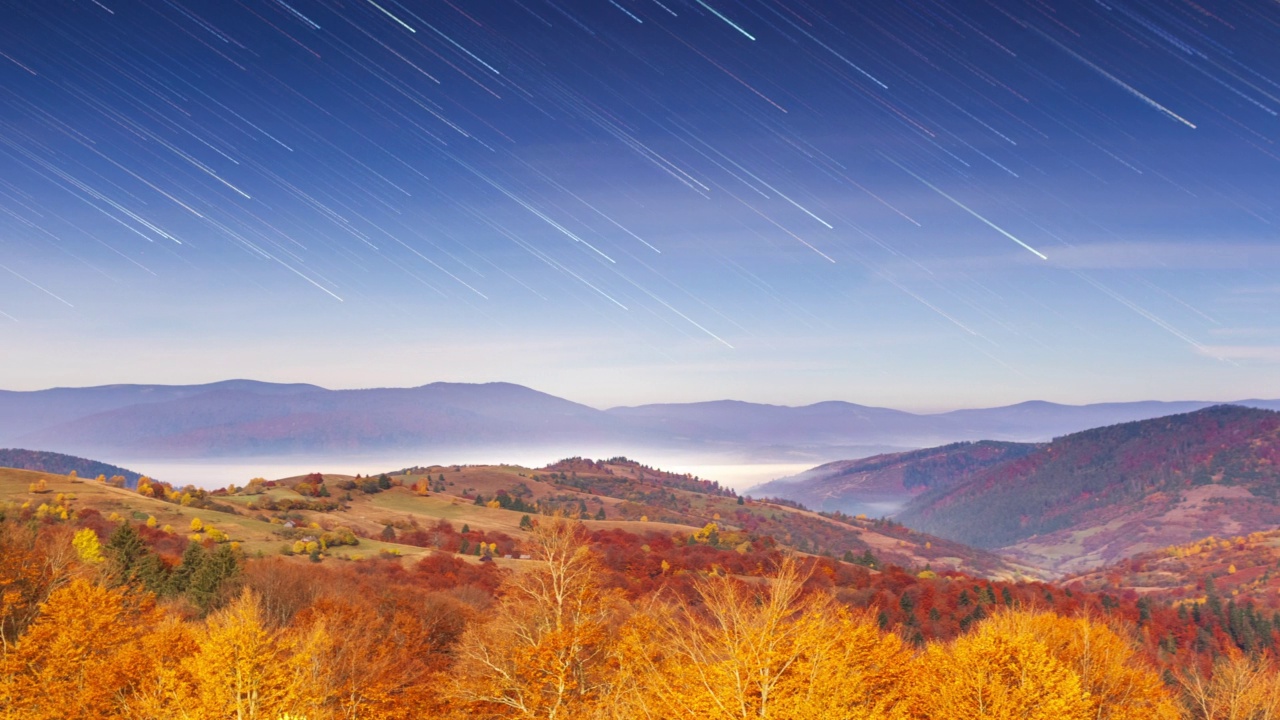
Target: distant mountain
{"points": [[21, 412], [826, 423], [833, 423], [59, 464], [244, 418], [248, 421], [882, 484], [1093, 497]]}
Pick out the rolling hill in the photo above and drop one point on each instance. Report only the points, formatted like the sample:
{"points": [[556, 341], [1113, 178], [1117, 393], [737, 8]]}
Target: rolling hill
{"points": [[59, 464], [402, 511], [243, 418], [1091, 498]]}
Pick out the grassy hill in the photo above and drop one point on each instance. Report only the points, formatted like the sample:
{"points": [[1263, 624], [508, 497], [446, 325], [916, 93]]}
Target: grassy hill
{"points": [[455, 509], [1094, 497]]}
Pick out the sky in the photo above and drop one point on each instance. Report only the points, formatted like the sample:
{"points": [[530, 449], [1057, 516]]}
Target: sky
{"points": [[919, 204]]}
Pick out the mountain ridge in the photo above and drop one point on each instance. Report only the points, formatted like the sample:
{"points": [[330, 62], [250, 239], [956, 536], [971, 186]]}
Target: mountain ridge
{"points": [[248, 418]]}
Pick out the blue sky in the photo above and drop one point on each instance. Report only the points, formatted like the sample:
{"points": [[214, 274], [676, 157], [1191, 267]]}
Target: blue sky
{"points": [[915, 204]]}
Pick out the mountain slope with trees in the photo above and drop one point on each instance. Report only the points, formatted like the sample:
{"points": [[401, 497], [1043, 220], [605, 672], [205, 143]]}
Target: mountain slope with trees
{"points": [[1093, 497], [59, 464], [882, 484]]}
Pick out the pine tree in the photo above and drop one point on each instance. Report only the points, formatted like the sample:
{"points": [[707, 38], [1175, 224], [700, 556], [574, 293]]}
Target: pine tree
{"points": [[207, 583], [153, 574], [193, 558], [125, 549]]}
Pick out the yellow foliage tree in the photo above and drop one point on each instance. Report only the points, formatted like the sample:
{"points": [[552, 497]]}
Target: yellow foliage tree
{"points": [[1120, 683], [87, 546], [761, 652], [243, 670], [196, 525], [997, 674]]}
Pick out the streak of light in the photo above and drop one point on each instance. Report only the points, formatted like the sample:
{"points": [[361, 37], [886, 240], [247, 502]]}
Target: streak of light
{"points": [[731, 23], [885, 276], [15, 62], [966, 208], [1117, 81], [781, 194], [35, 285], [527, 206], [668, 306], [393, 17], [626, 11], [1159, 322], [828, 48]]}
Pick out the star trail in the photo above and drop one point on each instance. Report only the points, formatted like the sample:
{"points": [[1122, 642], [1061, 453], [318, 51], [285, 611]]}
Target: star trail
{"points": [[917, 203]]}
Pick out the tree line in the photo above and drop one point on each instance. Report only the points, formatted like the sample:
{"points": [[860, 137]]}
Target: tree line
{"points": [[593, 626]]}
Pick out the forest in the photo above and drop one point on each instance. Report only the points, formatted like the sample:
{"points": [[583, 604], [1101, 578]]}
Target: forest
{"points": [[1070, 481], [102, 619]]}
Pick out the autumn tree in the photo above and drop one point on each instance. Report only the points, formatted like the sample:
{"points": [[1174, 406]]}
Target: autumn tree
{"points": [[1121, 685], [999, 673], [760, 651], [34, 563], [87, 546], [388, 659], [241, 669], [81, 656], [1240, 687], [542, 652]]}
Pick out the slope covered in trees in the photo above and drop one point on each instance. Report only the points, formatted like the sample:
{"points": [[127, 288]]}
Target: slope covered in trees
{"points": [[571, 634], [1235, 569], [882, 484], [1094, 497], [59, 464]]}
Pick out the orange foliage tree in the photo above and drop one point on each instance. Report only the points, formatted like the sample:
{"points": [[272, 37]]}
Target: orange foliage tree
{"points": [[33, 564], [81, 656]]}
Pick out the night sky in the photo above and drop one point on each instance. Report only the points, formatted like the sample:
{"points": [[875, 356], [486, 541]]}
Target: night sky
{"points": [[922, 204]]}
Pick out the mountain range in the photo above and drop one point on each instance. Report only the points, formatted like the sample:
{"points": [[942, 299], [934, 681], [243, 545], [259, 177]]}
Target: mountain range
{"points": [[245, 418]]}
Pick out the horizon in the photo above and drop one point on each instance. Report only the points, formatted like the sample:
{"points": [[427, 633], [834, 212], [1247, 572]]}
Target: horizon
{"points": [[606, 407], [631, 203]]}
